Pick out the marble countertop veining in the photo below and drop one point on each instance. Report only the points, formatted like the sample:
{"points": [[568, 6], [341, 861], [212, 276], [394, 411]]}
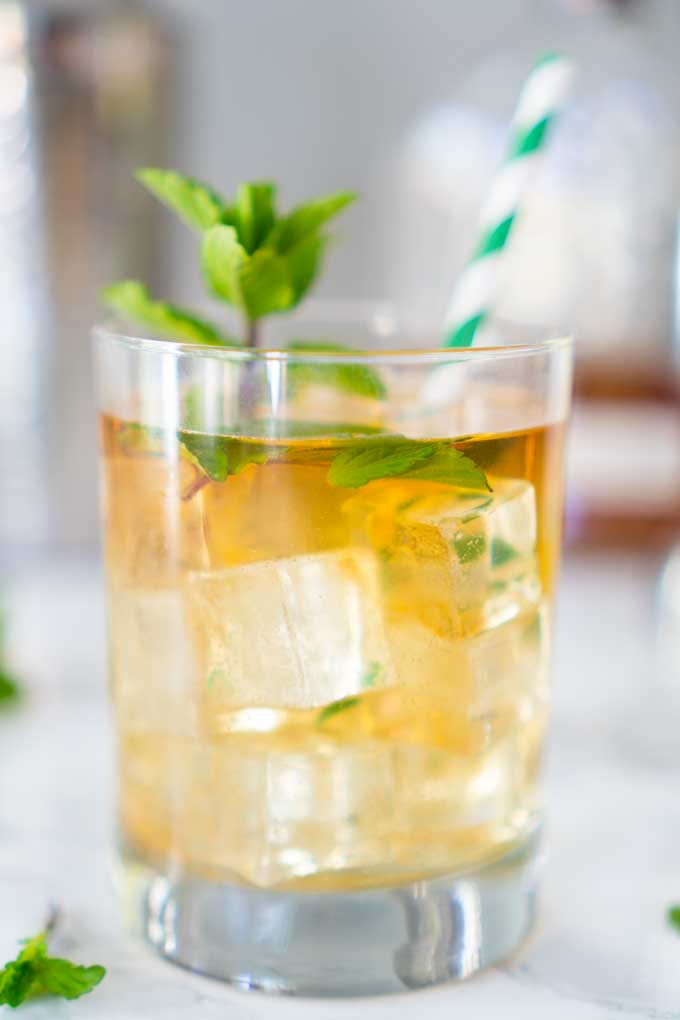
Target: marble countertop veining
{"points": [[601, 948]]}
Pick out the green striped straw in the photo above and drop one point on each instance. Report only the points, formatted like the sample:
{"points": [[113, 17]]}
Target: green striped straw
{"points": [[541, 100]]}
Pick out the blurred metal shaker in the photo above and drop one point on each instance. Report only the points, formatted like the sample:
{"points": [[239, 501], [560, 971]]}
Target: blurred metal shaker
{"points": [[83, 93]]}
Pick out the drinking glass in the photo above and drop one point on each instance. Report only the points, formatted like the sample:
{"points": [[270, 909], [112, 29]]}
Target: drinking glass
{"points": [[329, 579]]}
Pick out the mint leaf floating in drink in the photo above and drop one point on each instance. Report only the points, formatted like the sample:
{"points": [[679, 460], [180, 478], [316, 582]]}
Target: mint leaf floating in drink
{"points": [[395, 456], [131, 300], [35, 973]]}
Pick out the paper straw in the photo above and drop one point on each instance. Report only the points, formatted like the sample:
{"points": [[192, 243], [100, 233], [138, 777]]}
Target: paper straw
{"points": [[544, 94]]}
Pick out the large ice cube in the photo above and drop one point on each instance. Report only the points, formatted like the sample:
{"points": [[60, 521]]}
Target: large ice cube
{"points": [[227, 805], [460, 563], [290, 633], [152, 667]]}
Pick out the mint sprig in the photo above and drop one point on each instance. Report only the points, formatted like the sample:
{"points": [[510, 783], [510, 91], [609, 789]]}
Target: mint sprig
{"points": [[253, 257], [673, 916], [34, 973], [395, 456]]}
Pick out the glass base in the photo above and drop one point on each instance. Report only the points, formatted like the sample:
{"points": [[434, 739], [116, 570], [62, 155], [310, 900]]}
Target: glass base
{"points": [[363, 942]]}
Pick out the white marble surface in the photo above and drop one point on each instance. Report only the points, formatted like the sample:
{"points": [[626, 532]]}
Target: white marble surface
{"points": [[601, 948]]}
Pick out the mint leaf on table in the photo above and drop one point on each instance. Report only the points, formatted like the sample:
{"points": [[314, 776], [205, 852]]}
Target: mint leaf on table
{"points": [[33, 973], [131, 300], [197, 204], [9, 691], [361, 380], [673, 916], [395, 456]]}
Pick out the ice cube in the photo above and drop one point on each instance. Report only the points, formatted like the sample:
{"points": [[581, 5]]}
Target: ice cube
{"points": [[290, 633], [229, 806], [474, 556], [152, 668]]}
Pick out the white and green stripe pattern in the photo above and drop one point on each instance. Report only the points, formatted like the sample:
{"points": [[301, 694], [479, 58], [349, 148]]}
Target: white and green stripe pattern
{"points": [[541, 99]]}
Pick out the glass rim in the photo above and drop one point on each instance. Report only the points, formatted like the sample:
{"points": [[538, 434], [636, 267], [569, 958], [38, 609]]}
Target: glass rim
{"points": [[398, 355]]}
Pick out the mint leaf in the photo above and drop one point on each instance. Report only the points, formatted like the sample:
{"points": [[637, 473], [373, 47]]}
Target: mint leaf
{"points": [[395, 456], [264, 284], [255, 213], [328, 711], [35, 973], [377, 458], [16, 982], [222, 258], [502, 552], [198, 205], [673, 916], [450, 466], [131, 300], [302, 262], [307, 219], [68, 980], [9, 691], [221, 456], [209, 452], [357, 379], [469, 547]]}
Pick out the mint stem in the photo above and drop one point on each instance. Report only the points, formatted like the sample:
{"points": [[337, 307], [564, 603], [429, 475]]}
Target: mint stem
{"points": [[252, 332], [199, 481]]}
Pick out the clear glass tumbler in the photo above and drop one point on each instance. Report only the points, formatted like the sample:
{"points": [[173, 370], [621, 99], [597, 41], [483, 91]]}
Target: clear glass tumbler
{"points": [[329, 579]]}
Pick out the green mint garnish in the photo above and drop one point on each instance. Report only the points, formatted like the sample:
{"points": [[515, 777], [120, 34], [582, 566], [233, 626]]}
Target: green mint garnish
{"points": [[197, 204], [502, 552], [252, 257], [33, 973], [469, 547], [360, 380], [219, 456], [394, 456], [9, 689], [131, 300], [673, 916], [334, 707]]}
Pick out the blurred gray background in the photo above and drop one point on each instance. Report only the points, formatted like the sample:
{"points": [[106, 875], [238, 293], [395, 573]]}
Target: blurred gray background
{"points": [[409, 103]]}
